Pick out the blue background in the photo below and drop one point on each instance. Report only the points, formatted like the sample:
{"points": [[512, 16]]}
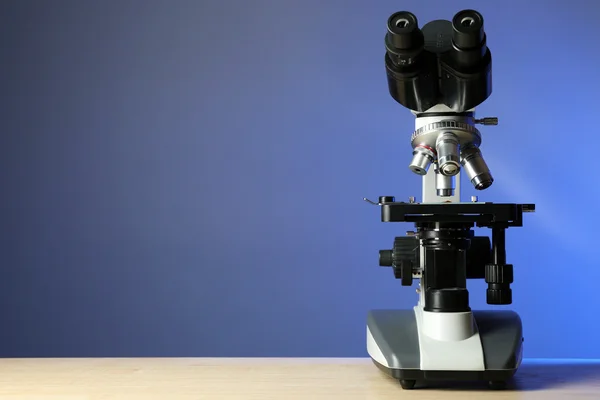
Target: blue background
{"points": [[185, 178]]}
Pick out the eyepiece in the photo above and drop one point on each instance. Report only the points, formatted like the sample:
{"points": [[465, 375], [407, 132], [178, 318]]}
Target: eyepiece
{"points": [[423, 156], [409, 68], [404, 40], [447, 147], [403, 31], [476, 168], [467, 29]]}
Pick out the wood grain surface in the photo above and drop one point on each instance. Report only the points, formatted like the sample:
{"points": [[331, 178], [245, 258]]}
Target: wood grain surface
{"points": [[266, 379]]}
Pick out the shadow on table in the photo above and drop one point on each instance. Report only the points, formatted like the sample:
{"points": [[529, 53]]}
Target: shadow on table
{"points": [[538, 375], [534, 375]]}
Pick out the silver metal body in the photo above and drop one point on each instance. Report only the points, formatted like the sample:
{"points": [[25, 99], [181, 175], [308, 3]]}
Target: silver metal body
{"points": [[427, 131], [442, 146]]}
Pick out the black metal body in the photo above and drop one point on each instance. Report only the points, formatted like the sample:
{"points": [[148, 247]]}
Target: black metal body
{"points": [[481, 214], [445, 62], [451, 252]]}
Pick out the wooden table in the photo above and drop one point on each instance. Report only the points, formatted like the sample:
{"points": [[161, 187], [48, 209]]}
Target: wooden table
{"points": [[265, 379]]}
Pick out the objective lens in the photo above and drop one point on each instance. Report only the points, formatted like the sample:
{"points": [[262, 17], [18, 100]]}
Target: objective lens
{"points": [[476, 168], [447, 147], [423, 156], [444, 185]]}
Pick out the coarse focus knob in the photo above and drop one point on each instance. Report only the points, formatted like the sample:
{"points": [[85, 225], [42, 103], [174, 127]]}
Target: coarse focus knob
{"points": [[499, 273], [402, 258], [405, 248]]}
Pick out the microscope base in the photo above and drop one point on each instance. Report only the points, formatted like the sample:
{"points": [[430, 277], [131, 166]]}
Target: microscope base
{"points": [[393, 345]]}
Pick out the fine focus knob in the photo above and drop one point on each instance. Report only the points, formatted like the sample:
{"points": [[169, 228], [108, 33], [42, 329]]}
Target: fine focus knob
{"points": [[499, 277], [404, 258], [386, 258], [407, 278], [403, 271], [497, 296]]}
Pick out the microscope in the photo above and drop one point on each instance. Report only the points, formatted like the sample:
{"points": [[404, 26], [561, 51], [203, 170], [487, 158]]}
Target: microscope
{"points": [[440, 73]]}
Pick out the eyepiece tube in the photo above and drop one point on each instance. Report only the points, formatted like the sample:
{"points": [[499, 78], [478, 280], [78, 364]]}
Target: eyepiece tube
{"points": [[404, 40], [423, 156], [448, 149], [467, 26], [444, 185], [476, 168]]}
